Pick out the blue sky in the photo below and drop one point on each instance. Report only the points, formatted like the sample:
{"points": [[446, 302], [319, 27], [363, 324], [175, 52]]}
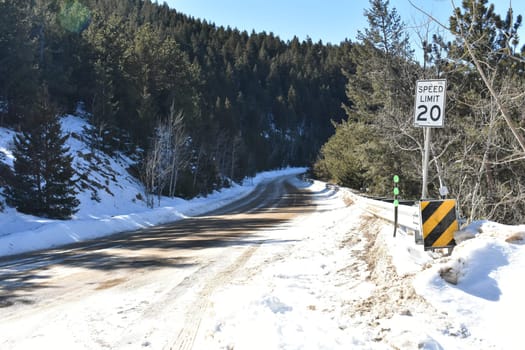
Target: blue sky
{"points": [[326, 20]]}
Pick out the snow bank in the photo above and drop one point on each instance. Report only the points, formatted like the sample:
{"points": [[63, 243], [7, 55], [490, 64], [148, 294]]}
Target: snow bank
{"points": [[485, 285], [293, 297], [22, 233]]}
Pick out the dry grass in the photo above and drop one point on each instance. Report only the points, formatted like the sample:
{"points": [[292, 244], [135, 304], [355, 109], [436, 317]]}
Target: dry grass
{"points": [[516, 237], [348, 200], [110, 283]]}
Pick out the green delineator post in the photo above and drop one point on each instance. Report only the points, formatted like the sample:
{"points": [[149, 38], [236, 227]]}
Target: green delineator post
{"points": [[396, 201]]}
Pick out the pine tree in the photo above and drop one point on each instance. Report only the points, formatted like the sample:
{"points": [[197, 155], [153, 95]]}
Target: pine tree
{"points": [[59, 191], [24, 193], [380, 89], [43, 184]]}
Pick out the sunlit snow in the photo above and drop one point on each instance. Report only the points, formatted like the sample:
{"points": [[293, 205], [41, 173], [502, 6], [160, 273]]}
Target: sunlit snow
{"points": [[334, 279]]}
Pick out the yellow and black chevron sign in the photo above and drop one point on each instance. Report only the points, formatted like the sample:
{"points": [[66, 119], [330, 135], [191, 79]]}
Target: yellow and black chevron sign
{"points": [[438, 223]]}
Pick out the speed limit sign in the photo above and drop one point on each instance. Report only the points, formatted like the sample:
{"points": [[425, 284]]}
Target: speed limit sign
{"points": [[430, 103]]}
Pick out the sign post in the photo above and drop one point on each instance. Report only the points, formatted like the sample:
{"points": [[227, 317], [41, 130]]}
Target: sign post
{"points": [[429, 113], [396, 201]]}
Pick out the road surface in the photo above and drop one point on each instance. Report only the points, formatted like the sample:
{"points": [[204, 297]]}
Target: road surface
{"points": [[121, 291]]}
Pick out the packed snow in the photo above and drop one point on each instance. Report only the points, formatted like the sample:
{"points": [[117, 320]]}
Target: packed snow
{"points": [[344, 282], [337, 279]]}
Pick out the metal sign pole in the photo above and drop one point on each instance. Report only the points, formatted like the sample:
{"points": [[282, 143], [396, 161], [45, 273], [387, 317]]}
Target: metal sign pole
{"points": [[429, 113], [426, 157]]}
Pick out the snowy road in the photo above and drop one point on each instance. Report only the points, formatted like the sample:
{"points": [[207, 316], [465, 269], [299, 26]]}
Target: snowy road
{"points": [[304, 267], [140, 289]]}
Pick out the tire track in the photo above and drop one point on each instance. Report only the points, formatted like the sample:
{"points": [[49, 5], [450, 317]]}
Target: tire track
{"points": [[186, 337], [266, 198]]}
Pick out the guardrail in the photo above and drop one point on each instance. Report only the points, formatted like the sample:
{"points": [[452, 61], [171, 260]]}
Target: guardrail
{"points": [[439, 229], [408, 211]]}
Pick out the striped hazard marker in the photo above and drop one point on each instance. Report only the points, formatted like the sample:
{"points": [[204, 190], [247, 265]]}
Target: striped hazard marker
{"points": [[439, 223]]}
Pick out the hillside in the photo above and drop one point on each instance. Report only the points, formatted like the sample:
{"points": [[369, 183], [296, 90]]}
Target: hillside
{"points": [[249, 101], [236, 103], [111, 199]]}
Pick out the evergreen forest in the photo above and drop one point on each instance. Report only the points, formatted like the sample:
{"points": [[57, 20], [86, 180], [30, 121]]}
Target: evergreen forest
{"points": [[201, 105], [232, 102]]}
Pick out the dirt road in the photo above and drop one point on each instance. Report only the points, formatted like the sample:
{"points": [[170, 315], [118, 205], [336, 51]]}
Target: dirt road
{"points": [[119, 291]]}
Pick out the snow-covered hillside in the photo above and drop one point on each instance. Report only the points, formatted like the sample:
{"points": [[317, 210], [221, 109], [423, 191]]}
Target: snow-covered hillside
{"points": [[110, 198]]}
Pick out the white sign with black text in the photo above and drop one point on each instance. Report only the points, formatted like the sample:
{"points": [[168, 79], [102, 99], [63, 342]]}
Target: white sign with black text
{"points": [[430, 103]]}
